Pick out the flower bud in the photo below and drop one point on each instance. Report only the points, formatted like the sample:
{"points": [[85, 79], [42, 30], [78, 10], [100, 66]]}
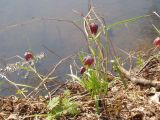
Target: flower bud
{"points": [[156, 42], [28, 56], [88, 60], [93, 28], [82, 70]]}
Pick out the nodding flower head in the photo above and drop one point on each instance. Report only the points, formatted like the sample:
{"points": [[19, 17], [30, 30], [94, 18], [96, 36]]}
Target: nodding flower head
{"points": [[156, 42], [82, 70], [93, 28], [28, 56], [88, 60]]}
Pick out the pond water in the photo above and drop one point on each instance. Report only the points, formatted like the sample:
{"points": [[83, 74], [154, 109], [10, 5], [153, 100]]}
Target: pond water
{"points": [[20, 27]]}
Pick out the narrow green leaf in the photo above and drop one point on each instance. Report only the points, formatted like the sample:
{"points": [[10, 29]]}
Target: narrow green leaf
{"points": [[75, 77], [23, 85], [126, 21]]}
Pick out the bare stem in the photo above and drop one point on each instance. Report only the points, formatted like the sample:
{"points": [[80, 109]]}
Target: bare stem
{"points": [[12, 83], [49, 74]]}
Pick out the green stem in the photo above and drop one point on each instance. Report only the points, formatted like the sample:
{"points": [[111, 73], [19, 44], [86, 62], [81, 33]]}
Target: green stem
{"points": [[107, 48], [97, 104]]}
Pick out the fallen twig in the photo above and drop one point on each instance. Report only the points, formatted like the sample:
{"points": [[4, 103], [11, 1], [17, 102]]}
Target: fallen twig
{"points": [[138, 80]]}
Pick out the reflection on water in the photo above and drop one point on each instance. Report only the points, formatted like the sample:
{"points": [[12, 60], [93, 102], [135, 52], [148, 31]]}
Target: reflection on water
{"points": [[64, 38]]}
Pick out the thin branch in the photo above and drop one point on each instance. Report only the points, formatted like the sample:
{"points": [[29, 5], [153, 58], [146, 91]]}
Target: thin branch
{"points": [[72, 22], [12, 83], [58, 88], [139, 80], [44, 46], [48, 75], [156, 14]]}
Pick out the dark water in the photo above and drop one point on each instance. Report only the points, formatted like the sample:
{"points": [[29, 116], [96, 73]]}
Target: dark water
{"points": [[21, 29]]}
